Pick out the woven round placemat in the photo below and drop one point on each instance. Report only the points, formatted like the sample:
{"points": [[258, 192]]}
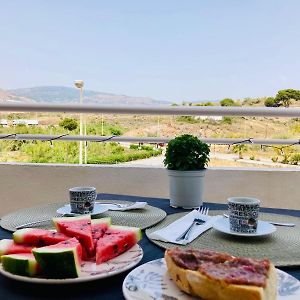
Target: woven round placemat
{"points": [[281, 247], [142, 218]]}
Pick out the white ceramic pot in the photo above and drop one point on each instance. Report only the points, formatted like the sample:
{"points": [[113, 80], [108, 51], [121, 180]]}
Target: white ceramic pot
{"points": [[186, 188]]}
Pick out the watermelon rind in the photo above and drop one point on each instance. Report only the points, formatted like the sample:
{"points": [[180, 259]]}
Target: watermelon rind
{"points": [[5, 244], [8, 246], [119, 228], [38, 237], [106, 220], [20, 264], [58, 262], [18, 235], [70, 220]]}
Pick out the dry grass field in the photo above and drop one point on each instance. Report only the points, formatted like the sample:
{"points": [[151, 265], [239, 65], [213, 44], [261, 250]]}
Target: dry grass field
{"points": [[171, 126]]}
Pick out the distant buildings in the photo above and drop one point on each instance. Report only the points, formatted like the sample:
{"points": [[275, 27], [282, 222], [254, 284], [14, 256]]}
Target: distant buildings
{"points": [[25, 122], [5, 123], [214, 118]]}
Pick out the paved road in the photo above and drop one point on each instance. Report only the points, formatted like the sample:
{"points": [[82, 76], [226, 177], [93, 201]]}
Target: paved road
{"points": [[158, 161]]}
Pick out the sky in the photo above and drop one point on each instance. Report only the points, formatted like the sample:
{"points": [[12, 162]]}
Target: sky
{"points": [[169, 50]]}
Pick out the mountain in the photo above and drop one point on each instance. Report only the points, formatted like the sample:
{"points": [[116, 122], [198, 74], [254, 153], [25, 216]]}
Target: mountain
{"points": [[6, 96], [60, 94]]}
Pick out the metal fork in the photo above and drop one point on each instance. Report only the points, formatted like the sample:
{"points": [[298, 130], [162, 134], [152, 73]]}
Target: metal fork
{"points": [[197, 221]]}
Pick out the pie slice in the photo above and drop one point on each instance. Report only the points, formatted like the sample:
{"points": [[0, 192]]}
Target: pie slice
{"points": [[213, 275]]}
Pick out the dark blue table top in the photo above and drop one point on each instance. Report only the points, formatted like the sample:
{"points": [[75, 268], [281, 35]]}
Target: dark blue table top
{"points": [[110, 288]]}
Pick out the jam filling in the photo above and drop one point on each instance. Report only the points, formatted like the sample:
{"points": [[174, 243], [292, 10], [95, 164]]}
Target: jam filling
{"points": [[222, 266]]}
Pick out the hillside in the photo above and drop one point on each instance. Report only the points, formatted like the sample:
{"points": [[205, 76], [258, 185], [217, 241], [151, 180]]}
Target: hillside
{"points": [[7, 96], [60, 94]]}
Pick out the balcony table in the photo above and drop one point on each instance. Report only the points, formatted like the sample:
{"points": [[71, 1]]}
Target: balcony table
{"points": [[109, 288]]}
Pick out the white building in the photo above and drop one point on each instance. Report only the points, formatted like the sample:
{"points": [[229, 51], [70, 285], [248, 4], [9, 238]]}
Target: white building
{"points": [[25, 122], [215, 118], [3, 123]]}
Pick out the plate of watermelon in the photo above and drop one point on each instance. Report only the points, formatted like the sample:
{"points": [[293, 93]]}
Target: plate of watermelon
{"points": [[80, 249]]}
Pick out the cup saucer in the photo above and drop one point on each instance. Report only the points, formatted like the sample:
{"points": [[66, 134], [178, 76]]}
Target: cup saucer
{"points": [[66, 210], [263, 228]]}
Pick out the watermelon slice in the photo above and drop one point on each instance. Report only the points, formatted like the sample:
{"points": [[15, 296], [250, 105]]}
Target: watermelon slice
{"points": [[99, 226], [116, 240], [79, 227], [38, 237], [116, 229], [21, 264], [61, 260], [8, 246]]}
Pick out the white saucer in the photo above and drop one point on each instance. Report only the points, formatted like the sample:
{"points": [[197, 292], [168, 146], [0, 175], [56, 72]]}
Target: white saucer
{"points": [[263, 228], [98, 209]]}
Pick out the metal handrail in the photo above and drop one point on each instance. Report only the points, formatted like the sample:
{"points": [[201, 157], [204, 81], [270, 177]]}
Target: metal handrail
{"points": [[88, 138], [151, 110], [154, 110]]}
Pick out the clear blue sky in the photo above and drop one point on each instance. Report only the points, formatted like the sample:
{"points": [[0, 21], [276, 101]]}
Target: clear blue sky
{"points": [[166, 49]]}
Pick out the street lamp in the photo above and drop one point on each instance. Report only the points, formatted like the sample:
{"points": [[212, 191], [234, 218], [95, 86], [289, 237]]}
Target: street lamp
{"points": [[79, 84]]}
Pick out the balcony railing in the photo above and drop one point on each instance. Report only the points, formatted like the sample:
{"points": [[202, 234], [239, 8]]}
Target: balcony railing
{"points": [[152, 110]]}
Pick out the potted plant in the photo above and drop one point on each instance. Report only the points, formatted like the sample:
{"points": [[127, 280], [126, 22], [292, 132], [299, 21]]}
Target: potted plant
{"points": [[186, 159]]}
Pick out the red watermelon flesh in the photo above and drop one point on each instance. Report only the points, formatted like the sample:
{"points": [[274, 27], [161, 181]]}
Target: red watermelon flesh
{"points": [[38, 237], [80, 228], [115, 243], [99, 226], [8, 246], [116, 229]]}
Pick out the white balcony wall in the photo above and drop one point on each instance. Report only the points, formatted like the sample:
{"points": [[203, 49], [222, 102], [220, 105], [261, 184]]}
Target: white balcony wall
{"points": [[25, 185]]}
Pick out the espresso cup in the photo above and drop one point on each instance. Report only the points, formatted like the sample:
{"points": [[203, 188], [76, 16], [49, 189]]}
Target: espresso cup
{"points": [[82, 199], [243, 214]]}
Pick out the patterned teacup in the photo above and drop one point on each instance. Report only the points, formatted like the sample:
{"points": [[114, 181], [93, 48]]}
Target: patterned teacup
{"points": [[243, 214], [82, 199]]}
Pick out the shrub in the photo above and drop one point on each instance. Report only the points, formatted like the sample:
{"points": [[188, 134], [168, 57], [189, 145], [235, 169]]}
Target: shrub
{"points": [[187, 119], [227, 120], [295, 159], [227, 102], [68, 124], [116, 131], [134, 147], [240, 149], [270, 102]]}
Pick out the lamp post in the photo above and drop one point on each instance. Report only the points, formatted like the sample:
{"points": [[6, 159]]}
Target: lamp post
{"points": [[79, 84]]}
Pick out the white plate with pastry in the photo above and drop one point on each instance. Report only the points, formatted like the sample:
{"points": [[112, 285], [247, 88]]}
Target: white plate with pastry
{"points": [[152, 281]]}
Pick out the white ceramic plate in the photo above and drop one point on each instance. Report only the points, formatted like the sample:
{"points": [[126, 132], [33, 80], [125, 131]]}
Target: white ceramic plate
{"points": [[152, 281], [263, 228], [89, 270], [98, 209]]}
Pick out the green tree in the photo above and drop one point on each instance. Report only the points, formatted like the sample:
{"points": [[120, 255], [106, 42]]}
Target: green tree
{"points": [[69, 124], [227, 102], [284, 97], [270, 102]]}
